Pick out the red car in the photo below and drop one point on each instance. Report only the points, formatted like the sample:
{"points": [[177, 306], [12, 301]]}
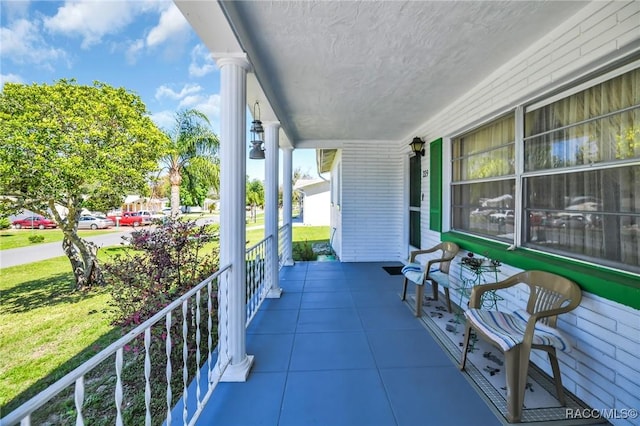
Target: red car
{"points": [[34, 222], [134, 219]]}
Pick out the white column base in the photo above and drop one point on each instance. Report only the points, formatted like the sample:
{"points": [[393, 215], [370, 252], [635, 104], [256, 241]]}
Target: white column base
{"points": [[274, 293], [238, 372], [289, 262]]}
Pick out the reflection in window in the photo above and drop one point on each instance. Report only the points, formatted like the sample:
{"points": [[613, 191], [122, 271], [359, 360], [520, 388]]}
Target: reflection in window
{"points": [[591, 209], [580, 175], [485, 208], [482, 185], [593, 214]]}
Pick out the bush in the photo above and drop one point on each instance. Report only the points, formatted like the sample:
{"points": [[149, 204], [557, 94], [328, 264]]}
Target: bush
{"points": [[35, 238], [4, 223], [157, 267], [303, 251]]}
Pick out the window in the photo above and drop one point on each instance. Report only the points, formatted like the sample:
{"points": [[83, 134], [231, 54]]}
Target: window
{"points": [[579, 174], [483, 180], [582, 174]]}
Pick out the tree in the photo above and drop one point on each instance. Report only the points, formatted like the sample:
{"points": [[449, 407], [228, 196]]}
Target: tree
{"points": [[70, 145], [255, 195], [193, 151]]}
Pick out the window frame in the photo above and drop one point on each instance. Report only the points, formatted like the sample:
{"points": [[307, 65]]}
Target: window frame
{"points": [[609, 281]]}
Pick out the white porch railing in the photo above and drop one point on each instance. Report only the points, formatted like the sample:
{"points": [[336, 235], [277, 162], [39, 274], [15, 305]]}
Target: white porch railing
{"points": [[188, 321], [258, 269], [283, 237], [185, 316]]}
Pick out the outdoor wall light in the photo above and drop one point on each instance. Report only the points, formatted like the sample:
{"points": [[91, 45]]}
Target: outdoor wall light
{"points": [[257, 132], [417, 146]]}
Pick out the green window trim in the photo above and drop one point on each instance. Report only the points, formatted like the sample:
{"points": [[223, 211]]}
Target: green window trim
{"points": [[435, 185], [617, 286]]}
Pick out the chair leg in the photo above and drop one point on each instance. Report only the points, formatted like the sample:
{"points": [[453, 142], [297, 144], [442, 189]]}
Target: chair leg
{"points": [[512, 367], [404, 289], [553, 360], [434, 287], [419, 296], [465, 346], [446, 293]]}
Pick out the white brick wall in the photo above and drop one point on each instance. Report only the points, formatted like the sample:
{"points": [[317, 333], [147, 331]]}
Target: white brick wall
{"points": [[604, 367]]}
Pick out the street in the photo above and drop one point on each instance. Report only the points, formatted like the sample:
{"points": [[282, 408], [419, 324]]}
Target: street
{"points": [[35, 253]]}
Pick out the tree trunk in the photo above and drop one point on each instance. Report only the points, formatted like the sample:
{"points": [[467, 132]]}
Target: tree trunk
{"points": [[82, 254], [84, 262], [175, 179]]}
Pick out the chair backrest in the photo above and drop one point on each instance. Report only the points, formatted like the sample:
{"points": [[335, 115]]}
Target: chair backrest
{"points": [[449, 250], [548, 291]]}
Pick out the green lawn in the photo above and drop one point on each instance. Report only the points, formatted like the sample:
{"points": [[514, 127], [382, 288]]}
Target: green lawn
{"points": [[14, 238], [46, 327], [303, 239]]}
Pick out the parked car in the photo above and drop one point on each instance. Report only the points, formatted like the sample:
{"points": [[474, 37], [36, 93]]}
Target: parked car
{"points": [[134, 219], [94, 222], [568, 220], [34, 222], [505, 216]]}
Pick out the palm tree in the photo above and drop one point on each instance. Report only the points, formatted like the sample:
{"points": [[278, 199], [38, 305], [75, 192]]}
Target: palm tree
{"points": [[193, 152]]}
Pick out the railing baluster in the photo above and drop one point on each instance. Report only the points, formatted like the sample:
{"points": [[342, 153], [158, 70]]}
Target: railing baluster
{"points": [[147, 376], [185, 358], [79, 400], [209, 329], [119, 356], [26, 421], [256, 261], [198, 348], [168, 369]]}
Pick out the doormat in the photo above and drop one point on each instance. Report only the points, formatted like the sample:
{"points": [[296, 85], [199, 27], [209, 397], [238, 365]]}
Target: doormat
{"points": [[485, 367], [393, 270]]}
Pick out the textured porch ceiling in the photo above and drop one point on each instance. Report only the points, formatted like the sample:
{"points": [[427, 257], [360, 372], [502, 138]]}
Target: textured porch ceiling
{"points": [[378, 70]]}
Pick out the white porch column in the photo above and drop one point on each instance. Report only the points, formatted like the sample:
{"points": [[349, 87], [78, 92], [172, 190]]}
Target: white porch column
{"points": [[232, 330], [287, 192], [271, 153]]}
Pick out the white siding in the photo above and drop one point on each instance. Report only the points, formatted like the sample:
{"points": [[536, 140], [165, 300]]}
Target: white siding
{"points": [[372, 202], [604, 368]]}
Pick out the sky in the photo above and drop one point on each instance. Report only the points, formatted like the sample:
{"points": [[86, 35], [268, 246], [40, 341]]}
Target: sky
{"points": [[145, 46]]}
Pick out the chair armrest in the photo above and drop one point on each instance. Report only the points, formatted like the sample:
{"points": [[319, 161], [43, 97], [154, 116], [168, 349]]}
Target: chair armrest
{"points": [[475, 299], [415, 253], [443, 259]]}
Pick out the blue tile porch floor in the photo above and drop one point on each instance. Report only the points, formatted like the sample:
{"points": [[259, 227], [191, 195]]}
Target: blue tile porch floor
{"points": [[340, 348]]}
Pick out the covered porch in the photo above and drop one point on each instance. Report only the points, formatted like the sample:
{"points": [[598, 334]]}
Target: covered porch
{"points": [[332, 343], [340, 348]]}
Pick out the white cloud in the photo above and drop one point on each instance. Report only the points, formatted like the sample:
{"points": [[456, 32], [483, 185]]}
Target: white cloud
{"points": [[201, 61], [134, 50], [23, 42], [167, 92], [15, 9], [91, 20], [164, 119], [9, 78], [209, 105], [172, 24], [190, 101]]}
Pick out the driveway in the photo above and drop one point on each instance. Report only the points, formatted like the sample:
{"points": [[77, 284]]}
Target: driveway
{"points": [[24, 255]]}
